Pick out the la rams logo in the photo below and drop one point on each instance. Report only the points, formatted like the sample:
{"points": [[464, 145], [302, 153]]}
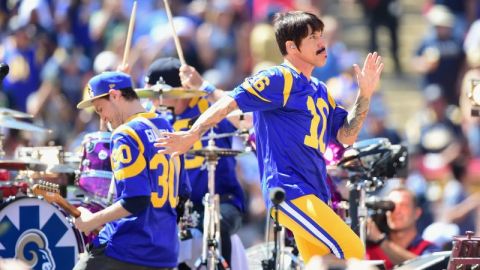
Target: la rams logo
{"points": [[37, 233]]}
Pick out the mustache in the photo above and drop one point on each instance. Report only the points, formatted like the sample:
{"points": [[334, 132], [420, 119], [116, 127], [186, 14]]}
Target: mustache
{"points": [[321, 51]]}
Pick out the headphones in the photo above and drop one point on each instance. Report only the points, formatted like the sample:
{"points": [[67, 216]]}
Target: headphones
{"points": [[293, 47]]}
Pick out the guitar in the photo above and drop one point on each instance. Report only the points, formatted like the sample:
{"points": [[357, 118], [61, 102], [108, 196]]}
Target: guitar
{"points": [[51, 193]]}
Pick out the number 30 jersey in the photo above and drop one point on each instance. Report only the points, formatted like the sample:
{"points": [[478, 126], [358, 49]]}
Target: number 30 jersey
{"points": [[294, 119], [150, 237]]}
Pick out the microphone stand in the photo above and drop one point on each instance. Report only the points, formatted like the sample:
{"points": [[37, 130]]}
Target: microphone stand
{"points": [[277, 196]]}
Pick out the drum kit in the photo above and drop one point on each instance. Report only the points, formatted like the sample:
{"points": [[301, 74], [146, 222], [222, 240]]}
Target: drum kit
{"points": [[33, 229]]}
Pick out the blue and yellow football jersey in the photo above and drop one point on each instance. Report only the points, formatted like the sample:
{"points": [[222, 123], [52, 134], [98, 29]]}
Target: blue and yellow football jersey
{"points": [[226, 183], [150, 237], [294, 119]]}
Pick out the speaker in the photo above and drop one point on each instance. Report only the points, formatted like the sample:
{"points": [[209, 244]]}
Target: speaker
{"points": [[434, 261]]}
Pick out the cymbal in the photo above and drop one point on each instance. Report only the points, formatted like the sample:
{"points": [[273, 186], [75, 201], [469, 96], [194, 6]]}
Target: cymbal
{"points": [[213, 151], [13, 113], [9, 122], [20, 165], [177, 92], [224, 135]]}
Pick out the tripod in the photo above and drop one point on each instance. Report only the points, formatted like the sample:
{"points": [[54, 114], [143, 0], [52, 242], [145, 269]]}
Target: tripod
{"points": [[358, 208]]}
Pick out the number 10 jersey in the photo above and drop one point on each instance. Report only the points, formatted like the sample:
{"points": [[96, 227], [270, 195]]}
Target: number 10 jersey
{"points": [[294, 119]]}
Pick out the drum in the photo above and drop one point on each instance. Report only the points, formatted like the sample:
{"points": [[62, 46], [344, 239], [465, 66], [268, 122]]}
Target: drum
{"points": [[95, 168], [39, 234]]}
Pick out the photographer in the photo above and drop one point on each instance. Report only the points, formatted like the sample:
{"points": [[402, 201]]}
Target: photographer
{"points": [[402, 242]]}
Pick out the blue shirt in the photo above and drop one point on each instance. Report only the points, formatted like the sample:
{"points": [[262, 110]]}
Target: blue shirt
{"points": [[150, 237], [226, 182], [294, 119]]}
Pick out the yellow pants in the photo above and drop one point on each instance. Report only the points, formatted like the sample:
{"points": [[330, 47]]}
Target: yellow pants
{"points": [[318, 230]]}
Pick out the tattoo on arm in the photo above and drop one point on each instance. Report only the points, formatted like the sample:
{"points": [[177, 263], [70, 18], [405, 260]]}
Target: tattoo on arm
{"points": [[354, 121], [214, 114]]}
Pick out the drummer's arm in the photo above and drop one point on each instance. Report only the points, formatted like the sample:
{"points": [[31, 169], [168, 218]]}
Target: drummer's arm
{"points": [[191, 79]]}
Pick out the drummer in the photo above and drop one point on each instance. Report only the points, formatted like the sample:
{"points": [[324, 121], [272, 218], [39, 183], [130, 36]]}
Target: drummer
{"points": [[167, 71]]}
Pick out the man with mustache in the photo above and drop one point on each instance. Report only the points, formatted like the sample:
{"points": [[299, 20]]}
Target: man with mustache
{"points": [[294, 119]]}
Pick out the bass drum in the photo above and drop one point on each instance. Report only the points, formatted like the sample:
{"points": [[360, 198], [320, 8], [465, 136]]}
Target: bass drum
{"points": [[38, 233]]}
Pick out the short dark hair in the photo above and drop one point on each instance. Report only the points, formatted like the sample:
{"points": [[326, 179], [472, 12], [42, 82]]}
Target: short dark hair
{"points": [[294, 25], [127, 93]]}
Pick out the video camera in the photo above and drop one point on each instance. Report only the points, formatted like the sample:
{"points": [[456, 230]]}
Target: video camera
{"points": [[375, 159], [378, 211]]}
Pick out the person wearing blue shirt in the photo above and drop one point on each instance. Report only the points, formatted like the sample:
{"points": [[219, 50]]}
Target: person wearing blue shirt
{"points": [[167, 70], [294, 119], [140, 229]]}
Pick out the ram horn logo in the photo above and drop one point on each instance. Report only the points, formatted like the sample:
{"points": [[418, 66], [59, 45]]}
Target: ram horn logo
{"points": [[32, 248]]}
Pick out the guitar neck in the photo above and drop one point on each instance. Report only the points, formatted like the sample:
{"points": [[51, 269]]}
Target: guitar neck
{"points": [[71, 210], [54, 197]]}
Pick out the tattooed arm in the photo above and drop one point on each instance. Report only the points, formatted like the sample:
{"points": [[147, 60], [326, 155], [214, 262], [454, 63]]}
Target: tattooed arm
{"points": [[367, 78], [213, 115], [177, 143], [353, 123]]}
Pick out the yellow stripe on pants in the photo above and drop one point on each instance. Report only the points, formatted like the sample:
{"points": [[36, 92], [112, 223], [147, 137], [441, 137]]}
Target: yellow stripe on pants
{"points": [[302, 214]]}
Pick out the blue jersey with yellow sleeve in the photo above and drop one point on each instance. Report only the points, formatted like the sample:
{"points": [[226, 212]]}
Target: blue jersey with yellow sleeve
{"points": [[226, 182], [150, 237], [294, 119]]}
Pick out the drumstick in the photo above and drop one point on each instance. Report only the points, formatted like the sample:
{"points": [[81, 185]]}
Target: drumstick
{"points": [[174, 33], [129, 34]]}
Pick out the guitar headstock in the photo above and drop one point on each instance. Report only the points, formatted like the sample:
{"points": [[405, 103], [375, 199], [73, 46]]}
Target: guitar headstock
{"points": [[49, 191]]}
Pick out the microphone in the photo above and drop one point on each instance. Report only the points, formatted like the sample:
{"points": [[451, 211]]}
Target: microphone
{"points": [[4, 69], [375, 203], [277, 195]]}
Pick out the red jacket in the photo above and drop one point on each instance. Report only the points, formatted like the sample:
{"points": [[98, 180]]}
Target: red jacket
{"points": [[418, 246]]}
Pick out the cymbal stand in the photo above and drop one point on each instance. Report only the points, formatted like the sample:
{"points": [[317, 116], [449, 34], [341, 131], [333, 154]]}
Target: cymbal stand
{"points": [[277, 196], [211, 257]]}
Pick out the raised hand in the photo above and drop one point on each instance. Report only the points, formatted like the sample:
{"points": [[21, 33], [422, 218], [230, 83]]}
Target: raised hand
{"points": [[190, 77], [369, 76]]}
